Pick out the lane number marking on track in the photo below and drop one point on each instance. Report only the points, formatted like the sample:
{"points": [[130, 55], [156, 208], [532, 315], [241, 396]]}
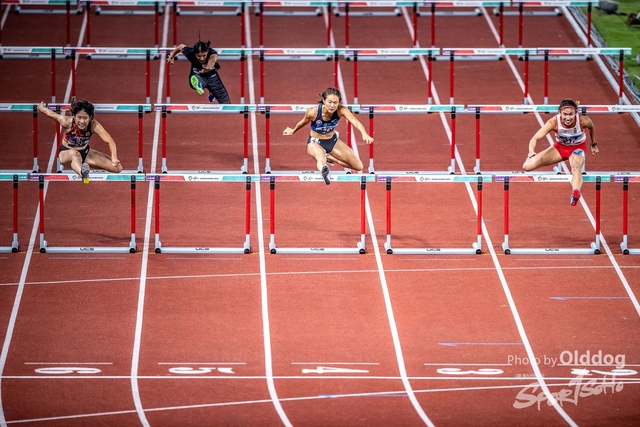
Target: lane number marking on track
{"points": [[62, 370], [187, 370]]}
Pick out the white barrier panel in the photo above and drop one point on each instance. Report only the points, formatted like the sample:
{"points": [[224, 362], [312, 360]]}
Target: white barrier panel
{"points": [[526, 177], [389, 177], [13, 176], [203, 177], [316, 178], [94, 176]]}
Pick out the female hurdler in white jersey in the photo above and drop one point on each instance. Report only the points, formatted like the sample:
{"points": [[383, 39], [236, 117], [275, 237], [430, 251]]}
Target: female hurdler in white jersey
{"points": [[323, 143], [570, 144]]}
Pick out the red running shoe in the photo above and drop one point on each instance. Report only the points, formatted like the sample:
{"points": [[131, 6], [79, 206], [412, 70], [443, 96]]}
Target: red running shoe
{"points": [[575, 196]]}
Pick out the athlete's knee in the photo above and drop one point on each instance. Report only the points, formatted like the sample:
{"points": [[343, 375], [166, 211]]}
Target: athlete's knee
{"points": [[577, 158], [357, 165], [528, 166]]}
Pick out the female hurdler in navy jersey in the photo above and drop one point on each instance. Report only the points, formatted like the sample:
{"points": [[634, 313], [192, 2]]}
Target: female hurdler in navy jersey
{"points": [[570, 144], [77, 129], [204, 70], [323, 143]]}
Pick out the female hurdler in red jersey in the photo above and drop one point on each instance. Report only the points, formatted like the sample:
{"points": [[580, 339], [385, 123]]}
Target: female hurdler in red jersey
{"points": [[77, 131], [570, 144]]}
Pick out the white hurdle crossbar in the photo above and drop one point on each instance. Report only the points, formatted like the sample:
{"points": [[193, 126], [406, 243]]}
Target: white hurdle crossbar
{"points": [[626, 179], [243, 109], [315, 176], [476, 247], [204, 177], [131, 176], [526, 177], [13, 176]]}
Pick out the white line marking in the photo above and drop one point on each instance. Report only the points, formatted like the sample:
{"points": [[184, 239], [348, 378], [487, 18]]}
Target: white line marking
{"points": [[298, 273], [135, 357], [27, 261], [383, 280], [268, 362], [290, 399]]}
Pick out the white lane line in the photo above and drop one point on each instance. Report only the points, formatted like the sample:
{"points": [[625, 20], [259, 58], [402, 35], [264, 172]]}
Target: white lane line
{"points": [[381, 274], [34, 233], [266, 330], [137, 340], [503, 281]]}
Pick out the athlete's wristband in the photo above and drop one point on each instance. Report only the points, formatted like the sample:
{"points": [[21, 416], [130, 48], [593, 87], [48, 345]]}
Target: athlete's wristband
{"points": [[594, 143]]}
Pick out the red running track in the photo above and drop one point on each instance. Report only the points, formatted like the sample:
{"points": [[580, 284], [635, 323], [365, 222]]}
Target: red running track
{"points": [[261, 339]]}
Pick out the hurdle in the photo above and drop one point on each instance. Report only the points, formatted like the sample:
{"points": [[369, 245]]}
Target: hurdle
{"points": [[547, 109], [567, 53], [316, 7], [388, 178], [107, 7], [41, 178], [54, 10], [316, 177], [238, 9], [26, 52], [476, 5], [556, 4], [14, 177], [522, 177], [267, 110], [367, 4], [203, 177], [626, 179], [409, 109], [26, 108], [205, 109], [295, 54], [141, 109], [483, 54], [111, 53]]}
